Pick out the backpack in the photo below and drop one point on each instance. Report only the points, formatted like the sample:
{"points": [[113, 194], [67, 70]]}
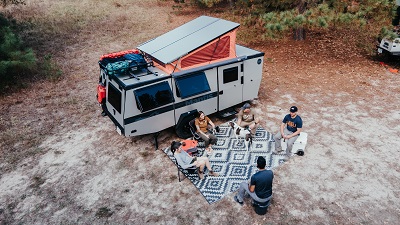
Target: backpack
{"points": [[117, 67], [136, 61], [189, 146]]}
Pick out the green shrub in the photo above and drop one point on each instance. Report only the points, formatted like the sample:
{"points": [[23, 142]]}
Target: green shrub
{"points": [[16, 61], [14, 2]]}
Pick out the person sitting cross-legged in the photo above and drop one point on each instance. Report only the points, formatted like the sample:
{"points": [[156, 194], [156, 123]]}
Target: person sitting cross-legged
{"points": [[260, 186], [185, 160]]}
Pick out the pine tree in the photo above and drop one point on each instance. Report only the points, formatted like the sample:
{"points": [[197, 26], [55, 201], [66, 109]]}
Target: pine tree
{"points": [[298, 16], [302, 15], [15, 60], [12, 2]]}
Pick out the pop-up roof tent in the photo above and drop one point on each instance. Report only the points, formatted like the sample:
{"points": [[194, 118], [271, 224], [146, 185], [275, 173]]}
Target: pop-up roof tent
{"points": [[202, 41]]}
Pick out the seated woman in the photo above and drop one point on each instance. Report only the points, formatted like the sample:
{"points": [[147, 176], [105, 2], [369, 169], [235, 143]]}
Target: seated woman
{"points": [[201, 123], [185, 160]]}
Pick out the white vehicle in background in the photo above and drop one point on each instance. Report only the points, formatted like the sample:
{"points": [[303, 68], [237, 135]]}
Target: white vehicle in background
{"points": [[391, 46]]}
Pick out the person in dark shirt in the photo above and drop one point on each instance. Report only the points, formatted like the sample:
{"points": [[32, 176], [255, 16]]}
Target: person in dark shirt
{"points": [[290, 129], [260, 186]]}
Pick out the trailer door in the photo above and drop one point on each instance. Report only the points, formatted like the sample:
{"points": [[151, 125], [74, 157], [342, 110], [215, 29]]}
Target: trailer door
{"points": [[230, 85]]}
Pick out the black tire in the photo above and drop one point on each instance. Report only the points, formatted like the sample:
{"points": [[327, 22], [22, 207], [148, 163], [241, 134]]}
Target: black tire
{"points": [[182, 128]]}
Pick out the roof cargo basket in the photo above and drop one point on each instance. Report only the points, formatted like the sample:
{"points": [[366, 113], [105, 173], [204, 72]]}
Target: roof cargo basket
{"points": [[122, 64]]}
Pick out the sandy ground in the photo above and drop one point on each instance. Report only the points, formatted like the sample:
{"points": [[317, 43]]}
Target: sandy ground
{"points": [[78, 170]]}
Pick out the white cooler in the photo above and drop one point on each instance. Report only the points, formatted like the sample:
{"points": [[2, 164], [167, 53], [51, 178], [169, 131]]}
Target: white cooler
{"points": [[299, 145]]}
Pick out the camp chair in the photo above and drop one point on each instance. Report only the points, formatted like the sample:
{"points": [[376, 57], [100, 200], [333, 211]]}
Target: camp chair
{"points": [[190, 170], [193, 129]]}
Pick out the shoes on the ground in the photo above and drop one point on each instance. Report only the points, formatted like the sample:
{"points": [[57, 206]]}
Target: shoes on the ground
{"points": [[103, 113], [212, 173], [286, 158], [248, 137], [209, 151], [237, 200], [277, 150], [217, 129], [201, 174], [238, 131]]}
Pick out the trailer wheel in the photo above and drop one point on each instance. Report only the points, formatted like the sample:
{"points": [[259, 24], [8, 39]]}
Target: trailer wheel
{"points": [[182, 127]]}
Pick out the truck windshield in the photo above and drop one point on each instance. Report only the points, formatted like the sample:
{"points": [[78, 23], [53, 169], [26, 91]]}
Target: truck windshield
{"points": [[192, 84]]}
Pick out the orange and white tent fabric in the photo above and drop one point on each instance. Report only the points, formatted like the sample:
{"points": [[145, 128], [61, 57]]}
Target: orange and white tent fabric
{"points": [[202, 41]]}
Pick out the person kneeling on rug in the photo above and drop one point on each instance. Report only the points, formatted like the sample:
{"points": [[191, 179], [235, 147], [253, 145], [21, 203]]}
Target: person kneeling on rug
{"points": [[260, 186], [247, 117], [185, 160]]}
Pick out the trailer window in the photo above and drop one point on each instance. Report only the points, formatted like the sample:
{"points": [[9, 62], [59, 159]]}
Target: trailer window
{"points": [[153, 96], [114, 97], [230, 75], [192, 84]]}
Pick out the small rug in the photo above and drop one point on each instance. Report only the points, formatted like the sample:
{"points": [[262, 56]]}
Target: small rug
{"points": [[233, 162]]}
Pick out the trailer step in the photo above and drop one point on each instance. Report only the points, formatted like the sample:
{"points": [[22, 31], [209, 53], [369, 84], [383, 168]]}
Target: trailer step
{"points": [[227, 112]]}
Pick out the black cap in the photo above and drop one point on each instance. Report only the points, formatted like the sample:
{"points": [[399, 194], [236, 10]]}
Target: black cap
{"points": [[246, 106], [293, 109]]}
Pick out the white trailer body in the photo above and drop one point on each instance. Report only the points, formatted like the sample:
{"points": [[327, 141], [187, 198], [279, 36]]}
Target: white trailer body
{"points": [[149, 99]]}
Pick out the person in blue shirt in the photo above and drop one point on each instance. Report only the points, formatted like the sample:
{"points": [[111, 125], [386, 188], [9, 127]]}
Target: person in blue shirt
{"points": [[290, 129], [260, 186]]}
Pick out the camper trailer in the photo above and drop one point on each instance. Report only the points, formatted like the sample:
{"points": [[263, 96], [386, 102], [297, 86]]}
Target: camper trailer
{"points": [[164, 81]]}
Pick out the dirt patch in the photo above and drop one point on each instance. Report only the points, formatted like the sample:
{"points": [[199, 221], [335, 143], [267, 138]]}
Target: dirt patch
{"points": [[61, 162]]}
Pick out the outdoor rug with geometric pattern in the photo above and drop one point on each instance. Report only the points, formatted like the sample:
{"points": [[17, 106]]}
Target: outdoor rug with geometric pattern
{"points": [[233, 163]]}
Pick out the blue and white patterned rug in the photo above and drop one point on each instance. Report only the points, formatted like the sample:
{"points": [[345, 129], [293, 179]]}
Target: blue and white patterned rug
{"points": [[233, 163]]}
